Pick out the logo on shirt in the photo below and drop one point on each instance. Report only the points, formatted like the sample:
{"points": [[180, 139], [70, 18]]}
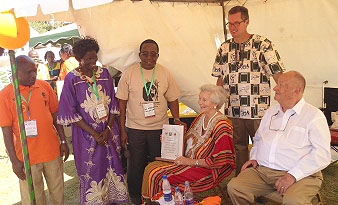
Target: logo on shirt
{"points": [[153, 96]]}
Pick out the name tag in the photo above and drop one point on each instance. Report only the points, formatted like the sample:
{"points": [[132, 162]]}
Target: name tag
{"points": [[149, 110], [31, 129], [101, 111]]}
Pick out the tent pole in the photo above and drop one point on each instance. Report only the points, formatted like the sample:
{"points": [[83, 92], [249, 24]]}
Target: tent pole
{"points": [[22, 128], [224, 24]]}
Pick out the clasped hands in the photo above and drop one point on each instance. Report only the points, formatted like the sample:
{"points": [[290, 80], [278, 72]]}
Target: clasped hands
{"points": [[282, 184], [102, 137]]}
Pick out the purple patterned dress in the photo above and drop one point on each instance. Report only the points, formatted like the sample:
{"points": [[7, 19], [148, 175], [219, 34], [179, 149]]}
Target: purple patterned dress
{"points": [[98, 166]]}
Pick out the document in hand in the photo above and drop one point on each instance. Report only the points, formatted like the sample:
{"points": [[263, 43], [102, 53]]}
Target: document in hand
{"points": [[172, 141]]}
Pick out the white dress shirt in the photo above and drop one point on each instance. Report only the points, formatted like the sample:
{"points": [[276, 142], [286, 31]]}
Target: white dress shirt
{"points": [[297, 141]]}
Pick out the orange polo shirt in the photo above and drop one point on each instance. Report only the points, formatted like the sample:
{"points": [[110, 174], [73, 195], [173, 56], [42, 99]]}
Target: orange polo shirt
{"points": [[45, 146]]}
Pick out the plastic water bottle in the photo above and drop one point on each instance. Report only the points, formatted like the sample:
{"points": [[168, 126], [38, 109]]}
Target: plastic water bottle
{"points": [[178, 197], [188, 195], [166, 189]]}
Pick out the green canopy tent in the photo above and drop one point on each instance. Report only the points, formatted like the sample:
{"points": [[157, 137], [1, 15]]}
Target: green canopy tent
{"points": [[66, 34]]}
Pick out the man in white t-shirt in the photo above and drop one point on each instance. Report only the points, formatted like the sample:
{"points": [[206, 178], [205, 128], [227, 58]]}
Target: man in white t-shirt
{"points": [[145, 90]]}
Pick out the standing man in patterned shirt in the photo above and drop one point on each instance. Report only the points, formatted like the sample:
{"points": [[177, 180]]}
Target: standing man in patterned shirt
{"points": [[243, 67]]}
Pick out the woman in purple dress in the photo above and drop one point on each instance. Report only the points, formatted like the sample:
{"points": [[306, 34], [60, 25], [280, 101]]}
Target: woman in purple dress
{"points": [[88, 103]]}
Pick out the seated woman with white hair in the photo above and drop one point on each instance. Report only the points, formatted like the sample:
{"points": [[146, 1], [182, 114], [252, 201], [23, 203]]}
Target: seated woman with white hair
{"points": [[209, 150]]}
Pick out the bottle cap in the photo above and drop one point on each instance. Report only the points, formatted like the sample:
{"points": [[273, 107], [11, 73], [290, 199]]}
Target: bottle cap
{"points": [[164, 177], [177, 189]]}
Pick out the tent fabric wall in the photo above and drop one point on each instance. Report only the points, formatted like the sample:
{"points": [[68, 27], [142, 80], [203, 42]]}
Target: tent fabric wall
{"points": [[185, 34], [304, 32]]}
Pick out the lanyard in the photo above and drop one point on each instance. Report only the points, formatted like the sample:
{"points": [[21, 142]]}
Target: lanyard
{"points": [[144, 82], [27, 102], [95, 90], [51, 69]]}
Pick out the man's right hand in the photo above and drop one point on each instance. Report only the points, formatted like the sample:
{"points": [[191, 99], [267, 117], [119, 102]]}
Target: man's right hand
{"points": [[249, 163], [124, 138], [19, 169]]}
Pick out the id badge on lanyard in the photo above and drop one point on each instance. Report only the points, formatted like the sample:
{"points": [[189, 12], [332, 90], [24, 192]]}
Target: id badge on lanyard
{"points": [[149, 108], [101, 111], [99, 108], [31, 129]]}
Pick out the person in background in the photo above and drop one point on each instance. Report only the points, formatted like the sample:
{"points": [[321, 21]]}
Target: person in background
{"points": [[69, 61], [291, 146], [88, 103], [42, 70], [52, 65], [243, 66], [145, 90], [209, 154], [39, 106]]}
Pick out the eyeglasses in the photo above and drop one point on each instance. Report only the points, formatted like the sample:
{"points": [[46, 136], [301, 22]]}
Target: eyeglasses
{"points": [[152, 54], [285, 124], [235, 24]]}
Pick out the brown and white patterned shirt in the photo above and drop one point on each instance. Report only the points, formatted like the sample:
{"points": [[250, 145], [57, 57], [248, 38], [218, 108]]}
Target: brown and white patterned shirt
{"points": [[246, 69]]}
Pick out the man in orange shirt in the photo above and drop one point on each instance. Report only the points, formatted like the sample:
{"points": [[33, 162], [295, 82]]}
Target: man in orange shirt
{"points": [[39, 106]]}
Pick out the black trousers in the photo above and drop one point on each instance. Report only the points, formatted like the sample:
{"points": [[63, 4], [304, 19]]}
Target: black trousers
{"points": [[144, 146]]}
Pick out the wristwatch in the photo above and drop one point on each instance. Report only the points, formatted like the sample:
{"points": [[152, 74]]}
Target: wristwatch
{"points": [[196, 163], [64, 142]]}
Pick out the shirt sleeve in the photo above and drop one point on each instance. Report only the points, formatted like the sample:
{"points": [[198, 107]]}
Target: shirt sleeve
{"points": [[258, 137], [320, 156], [123, 87], [53, 99], [114, 105], [6, 117], [223, 152], [67, 113], [172, 93], [219, 62], [270, 59]]}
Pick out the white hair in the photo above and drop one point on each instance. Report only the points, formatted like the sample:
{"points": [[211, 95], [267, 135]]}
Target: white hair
{"points": [[218, 94]]}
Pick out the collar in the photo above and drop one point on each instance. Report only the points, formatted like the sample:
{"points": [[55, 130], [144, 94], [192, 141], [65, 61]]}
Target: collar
{"points": [[36, 85], [297, 108]]}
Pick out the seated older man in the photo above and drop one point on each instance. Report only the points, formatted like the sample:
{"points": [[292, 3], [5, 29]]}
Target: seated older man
{"points": [[291, 146]]}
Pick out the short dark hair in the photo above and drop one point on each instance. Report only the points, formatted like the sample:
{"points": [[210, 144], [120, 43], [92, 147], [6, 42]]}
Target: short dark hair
{"points": [[82, 46], [23, 60], [150, 41], [244, 11], [46, 54], [66, 48]]}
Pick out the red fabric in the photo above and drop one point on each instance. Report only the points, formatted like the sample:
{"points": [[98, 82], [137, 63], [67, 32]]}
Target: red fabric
{"points": [[334, 137]]}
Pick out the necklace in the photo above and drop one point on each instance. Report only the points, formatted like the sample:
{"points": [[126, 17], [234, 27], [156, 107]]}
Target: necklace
{"points": [[51, 67], [204, 128], [86, 78]]}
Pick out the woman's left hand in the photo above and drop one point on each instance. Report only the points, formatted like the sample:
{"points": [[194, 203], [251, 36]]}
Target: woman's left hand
{"points": [[104, 136], [184, 161]]}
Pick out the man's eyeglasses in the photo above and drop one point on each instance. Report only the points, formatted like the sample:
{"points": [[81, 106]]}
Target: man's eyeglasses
{"points": [[285, 124], [235, 24], [152, 54]]}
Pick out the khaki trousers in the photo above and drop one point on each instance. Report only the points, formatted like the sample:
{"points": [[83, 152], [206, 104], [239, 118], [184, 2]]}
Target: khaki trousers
{"points": [[53, 173], [252, 183], [243, 128]]}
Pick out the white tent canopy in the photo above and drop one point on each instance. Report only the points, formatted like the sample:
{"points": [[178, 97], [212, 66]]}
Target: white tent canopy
{"points": [[304, 32]]}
